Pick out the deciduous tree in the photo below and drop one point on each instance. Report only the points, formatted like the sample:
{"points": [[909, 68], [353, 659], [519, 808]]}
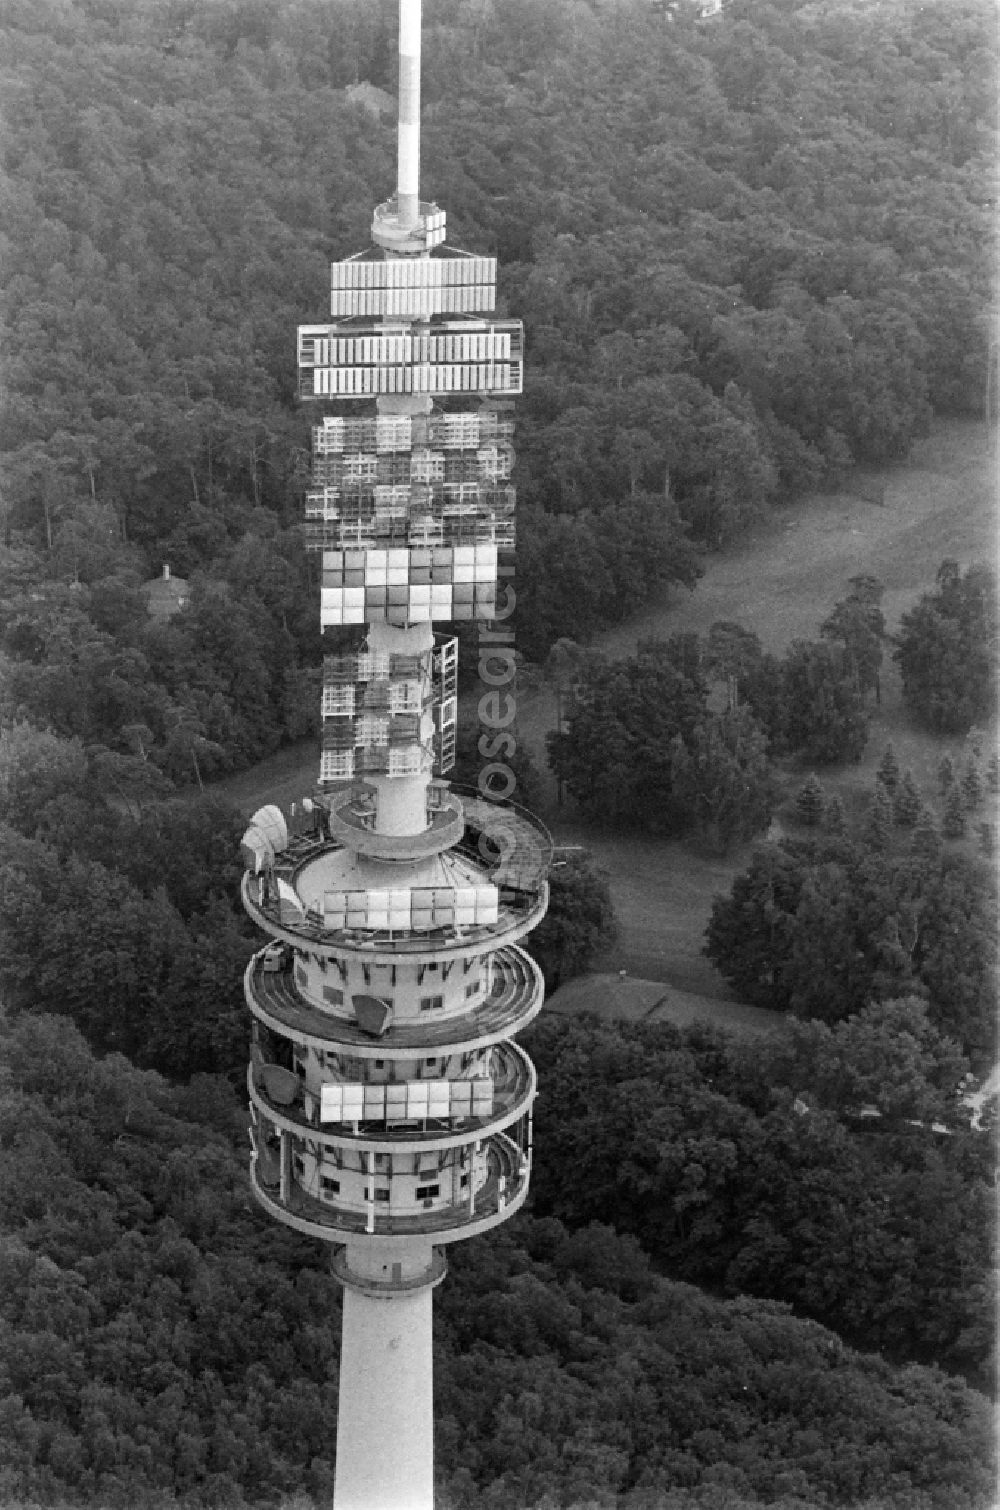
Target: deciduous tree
{"points": [[810, 801], [821, 928], [858, 625], [721, 773], [947, 650], [641, 746], [825, 720], [579, 925]]}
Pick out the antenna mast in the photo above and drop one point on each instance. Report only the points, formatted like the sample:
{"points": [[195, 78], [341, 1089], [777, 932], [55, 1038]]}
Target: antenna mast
{"points": [[408, 130]]}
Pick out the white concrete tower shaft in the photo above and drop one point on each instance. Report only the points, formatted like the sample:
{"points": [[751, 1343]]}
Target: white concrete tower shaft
{"points": [[385, 1425], [408, 131]]}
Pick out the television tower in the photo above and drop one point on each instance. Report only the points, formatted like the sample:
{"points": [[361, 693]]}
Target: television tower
{"points": [[390, 1106]]}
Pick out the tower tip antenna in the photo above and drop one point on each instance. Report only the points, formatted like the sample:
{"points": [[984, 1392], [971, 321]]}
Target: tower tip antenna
{"points": [[408, 140]]}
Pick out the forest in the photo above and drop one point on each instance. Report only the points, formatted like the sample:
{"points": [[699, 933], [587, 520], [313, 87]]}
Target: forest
{"points": [[747, 255], [750, 254], [163, 1345]]}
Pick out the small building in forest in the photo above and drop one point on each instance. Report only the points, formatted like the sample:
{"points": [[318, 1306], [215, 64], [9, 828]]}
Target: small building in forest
{"points": [[165, 595]]}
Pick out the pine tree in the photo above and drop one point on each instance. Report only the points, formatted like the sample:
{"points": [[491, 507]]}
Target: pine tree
{"points": [[953, 826], [810, 801], [972, 786], [906, 803], [946, 775], [879, 830], [888, 770], [834, 819], [926, 842]]}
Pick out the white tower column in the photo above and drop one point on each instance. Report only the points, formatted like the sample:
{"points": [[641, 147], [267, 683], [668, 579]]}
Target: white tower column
{"points": [[385, 1418], [408, 129]]}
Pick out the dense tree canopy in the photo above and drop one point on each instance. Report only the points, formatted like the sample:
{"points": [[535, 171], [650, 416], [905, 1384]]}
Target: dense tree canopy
{"points": [[748, 254], [117, 904], [750, 1167], [642, 748], [579, 924], [947, 650], [164, 1344], [743, 255], [857, 624], [822, 927], [821, 711], [81, 939], [810, 702]]}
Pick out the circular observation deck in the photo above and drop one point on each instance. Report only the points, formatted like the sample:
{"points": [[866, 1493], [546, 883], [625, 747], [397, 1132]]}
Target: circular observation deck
{"points": [[501, 1195], [501, 843], [510, 841], [514, 1086], [406, 239], [351, 820], [516, 998]]}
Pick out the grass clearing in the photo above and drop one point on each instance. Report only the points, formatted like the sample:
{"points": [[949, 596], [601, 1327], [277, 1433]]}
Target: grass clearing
{"points": [[623, 998], [782, 578]]}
